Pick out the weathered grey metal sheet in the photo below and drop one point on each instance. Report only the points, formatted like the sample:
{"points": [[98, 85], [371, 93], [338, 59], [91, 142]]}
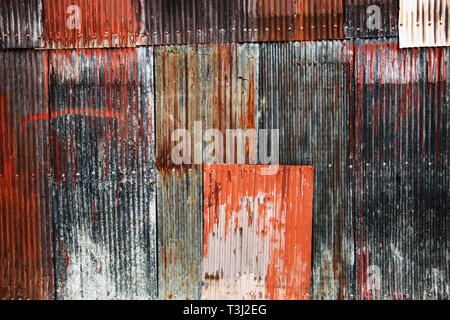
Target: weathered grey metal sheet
{"points": [[212, 86], [424, 23], [20, 24], [103, 198], [302, 92], [180, 222], [371, 18], [399, 155], [26, 241], [215, 21]]}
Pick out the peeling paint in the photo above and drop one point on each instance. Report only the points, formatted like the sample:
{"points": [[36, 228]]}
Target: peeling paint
{"points": [[257, 232]]}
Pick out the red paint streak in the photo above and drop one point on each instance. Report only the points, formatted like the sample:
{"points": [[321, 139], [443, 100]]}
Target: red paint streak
{"points": [[82, 112], [93, 214], [285, 217]]}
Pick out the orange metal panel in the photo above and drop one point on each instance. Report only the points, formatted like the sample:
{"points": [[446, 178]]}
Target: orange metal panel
{"points": [[257, 232], [92, 23]]}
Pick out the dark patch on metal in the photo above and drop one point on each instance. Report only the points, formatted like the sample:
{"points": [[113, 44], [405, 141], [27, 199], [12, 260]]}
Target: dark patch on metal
{"points": [[216, 21], [371, 18], [20, 24]]}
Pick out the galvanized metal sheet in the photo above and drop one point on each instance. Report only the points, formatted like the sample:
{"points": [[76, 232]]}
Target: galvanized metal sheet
{"points": [[424, 23], [257, 232], [103, 199], [93, 23], [371, 18], [198, 88], [26, 246], [302, 92], [215, 21], [20, 24], [399, 163]]}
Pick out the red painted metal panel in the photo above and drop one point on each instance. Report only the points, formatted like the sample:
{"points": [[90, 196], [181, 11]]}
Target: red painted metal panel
{"points": [[257, 231], [92, 23], [26, 250]]}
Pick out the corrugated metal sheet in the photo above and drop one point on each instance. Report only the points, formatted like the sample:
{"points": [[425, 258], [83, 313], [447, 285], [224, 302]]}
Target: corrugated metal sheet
{"points": [[20, 24], [180, 233], [399, 163], [257, 232], [26, 249], [213, 21], [302, 92], [371, 18], [424, 23], [93, 23], [214, 85], [103, 199]]}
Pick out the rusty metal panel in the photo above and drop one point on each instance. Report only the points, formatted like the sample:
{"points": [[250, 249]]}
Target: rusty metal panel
{"points": [[93, 23], [371, 18], [180, 233], [103, 180], [302, 92], [26, 246], [215, 21], [424, 23], [257, 232], [20, 24], [399, 153], [197, 88]]}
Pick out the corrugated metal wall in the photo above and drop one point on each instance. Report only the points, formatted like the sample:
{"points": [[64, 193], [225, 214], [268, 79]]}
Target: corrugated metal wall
{"points": [[424, 23], [88, 182], [399, 163], [26, 241], [103, 180], [257, 232]]}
